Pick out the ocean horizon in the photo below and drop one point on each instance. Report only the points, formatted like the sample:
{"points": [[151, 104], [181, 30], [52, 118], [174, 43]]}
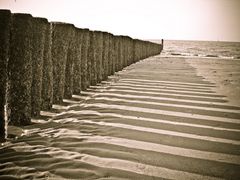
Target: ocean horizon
{"points": [[202, 49]]}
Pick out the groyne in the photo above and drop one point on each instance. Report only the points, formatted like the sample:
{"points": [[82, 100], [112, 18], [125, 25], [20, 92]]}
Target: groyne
{"points": [[43, 62]]}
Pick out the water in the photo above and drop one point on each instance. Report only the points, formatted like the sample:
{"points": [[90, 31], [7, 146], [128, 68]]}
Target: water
{"points": [[213, 49]]}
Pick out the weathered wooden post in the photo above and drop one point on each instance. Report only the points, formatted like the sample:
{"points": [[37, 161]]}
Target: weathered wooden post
{"points": [[47, 74], [124, 51], [20, 69], [39, 26], [138, 49], [5, 26], [84, 55], [145, 50], [78, 63], [99, 52], [91, 59], [134, 50], [71, 57], [121, 52], [115, 54], [105, 54], [111, 59], [127, 51], [60, 43]]}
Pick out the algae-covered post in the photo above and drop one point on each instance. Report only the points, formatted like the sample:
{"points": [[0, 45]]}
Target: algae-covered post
{"points": [[39, 26], [77, 62], [84, 60], [71, 56], [47, 74], [20, 69], [60, 44], [5, 25]]}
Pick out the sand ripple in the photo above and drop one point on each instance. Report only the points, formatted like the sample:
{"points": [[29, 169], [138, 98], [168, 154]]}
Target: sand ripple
{"points": [[150, 121]]}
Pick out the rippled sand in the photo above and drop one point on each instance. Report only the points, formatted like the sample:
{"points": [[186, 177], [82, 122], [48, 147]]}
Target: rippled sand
{"points": [[161, 118]]}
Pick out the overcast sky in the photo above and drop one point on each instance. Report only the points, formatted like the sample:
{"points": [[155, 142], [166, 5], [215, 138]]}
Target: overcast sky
{"points": [[145, 19]]}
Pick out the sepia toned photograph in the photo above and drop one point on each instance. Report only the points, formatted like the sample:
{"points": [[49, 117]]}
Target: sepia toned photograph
{"points": [[119, 89]]}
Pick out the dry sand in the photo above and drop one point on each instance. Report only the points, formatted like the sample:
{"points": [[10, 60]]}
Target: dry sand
{"points": [[224, 72], [161, 118]]}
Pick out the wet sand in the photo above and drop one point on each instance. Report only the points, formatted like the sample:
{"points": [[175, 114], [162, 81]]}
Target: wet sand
{"points": [[161, 118]]}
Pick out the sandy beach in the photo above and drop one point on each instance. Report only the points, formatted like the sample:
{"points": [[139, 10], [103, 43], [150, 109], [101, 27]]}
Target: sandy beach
{"points": [[120, 90], [161, 118], [224, 72]]}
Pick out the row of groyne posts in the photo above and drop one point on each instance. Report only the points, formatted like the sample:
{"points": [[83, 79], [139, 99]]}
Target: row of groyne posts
{"points": [[42, 62]]}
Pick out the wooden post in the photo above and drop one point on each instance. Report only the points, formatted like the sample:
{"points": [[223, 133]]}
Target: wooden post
{"points": [[99, 53], [121, 52], [125, 52], [91, 59], [47, 76], [84, 62], [78, 63], [71, 57], [38, 29], [5, 25], [60, 43], [115, 54], [105, 54], [20, 70], [110, 55]]}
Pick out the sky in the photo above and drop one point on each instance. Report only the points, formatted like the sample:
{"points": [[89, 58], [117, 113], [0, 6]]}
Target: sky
{"points": [[214, 20]]}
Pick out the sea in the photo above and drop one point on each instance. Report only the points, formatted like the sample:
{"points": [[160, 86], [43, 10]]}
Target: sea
{"points": [[208, 49]]}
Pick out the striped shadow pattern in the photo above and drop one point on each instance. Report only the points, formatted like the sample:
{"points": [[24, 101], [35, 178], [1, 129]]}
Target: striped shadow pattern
{"points": [[146, 122]]}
